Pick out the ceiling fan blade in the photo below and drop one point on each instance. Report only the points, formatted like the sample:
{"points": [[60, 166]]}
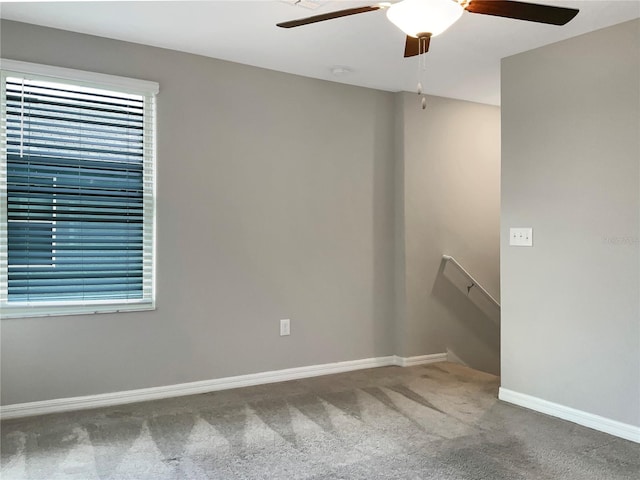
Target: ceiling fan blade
{"points": [[328, 16], [412, 46], [523, 11]]}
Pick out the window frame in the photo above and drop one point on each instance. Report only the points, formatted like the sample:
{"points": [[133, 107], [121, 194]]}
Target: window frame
{"points": [[148, 90]]}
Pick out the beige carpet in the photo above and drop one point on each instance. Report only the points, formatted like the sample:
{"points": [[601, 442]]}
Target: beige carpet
{"points": [[439, 421]]}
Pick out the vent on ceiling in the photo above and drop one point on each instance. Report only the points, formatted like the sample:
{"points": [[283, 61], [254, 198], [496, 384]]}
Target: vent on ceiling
{"points": [[310, 4]]}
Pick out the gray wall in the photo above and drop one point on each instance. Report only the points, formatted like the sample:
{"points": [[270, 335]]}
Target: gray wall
{"points": [[278, 197], [571, 170], [275, 200], [450, 203]]}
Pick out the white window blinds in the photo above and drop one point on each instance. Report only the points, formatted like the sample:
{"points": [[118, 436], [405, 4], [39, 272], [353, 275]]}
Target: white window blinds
{"points": [[78, 197]]}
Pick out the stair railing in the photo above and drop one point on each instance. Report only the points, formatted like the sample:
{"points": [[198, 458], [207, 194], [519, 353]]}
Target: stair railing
{"points": [[474, 282]]}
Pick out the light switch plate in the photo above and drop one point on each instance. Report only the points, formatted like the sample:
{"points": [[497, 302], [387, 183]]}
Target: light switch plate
{"points": [[521, 237]]}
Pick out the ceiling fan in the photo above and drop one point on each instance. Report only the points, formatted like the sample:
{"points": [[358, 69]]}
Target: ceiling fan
{"points": [[423, 19]]}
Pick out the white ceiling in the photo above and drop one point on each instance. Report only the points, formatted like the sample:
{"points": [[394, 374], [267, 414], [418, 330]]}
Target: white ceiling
{"points": [[463, 62]]}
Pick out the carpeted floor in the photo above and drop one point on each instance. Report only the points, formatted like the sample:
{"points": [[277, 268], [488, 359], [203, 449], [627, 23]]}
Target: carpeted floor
{"points": [[439, 421]]}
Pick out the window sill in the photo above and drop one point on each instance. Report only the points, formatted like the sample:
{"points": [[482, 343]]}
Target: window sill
{"points": [[25, 310]]}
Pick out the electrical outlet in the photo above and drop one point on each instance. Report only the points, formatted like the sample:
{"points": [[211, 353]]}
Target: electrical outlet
{"points": [[285, 327], [521, 237]]}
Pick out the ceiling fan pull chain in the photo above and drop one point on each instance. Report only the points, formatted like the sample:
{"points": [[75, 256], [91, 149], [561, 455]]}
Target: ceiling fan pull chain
{"points": [[420, 52], [422, 69]]}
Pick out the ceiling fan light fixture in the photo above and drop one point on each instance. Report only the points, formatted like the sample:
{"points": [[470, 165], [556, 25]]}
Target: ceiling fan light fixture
{"points": [[415, 17]]}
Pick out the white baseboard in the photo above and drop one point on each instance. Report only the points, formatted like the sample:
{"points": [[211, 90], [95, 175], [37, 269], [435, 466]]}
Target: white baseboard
{"points": [[420, 360], [59, 405], [596, 422]]}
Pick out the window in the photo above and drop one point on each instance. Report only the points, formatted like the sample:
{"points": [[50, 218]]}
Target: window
{"points": [[77, 192]]}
